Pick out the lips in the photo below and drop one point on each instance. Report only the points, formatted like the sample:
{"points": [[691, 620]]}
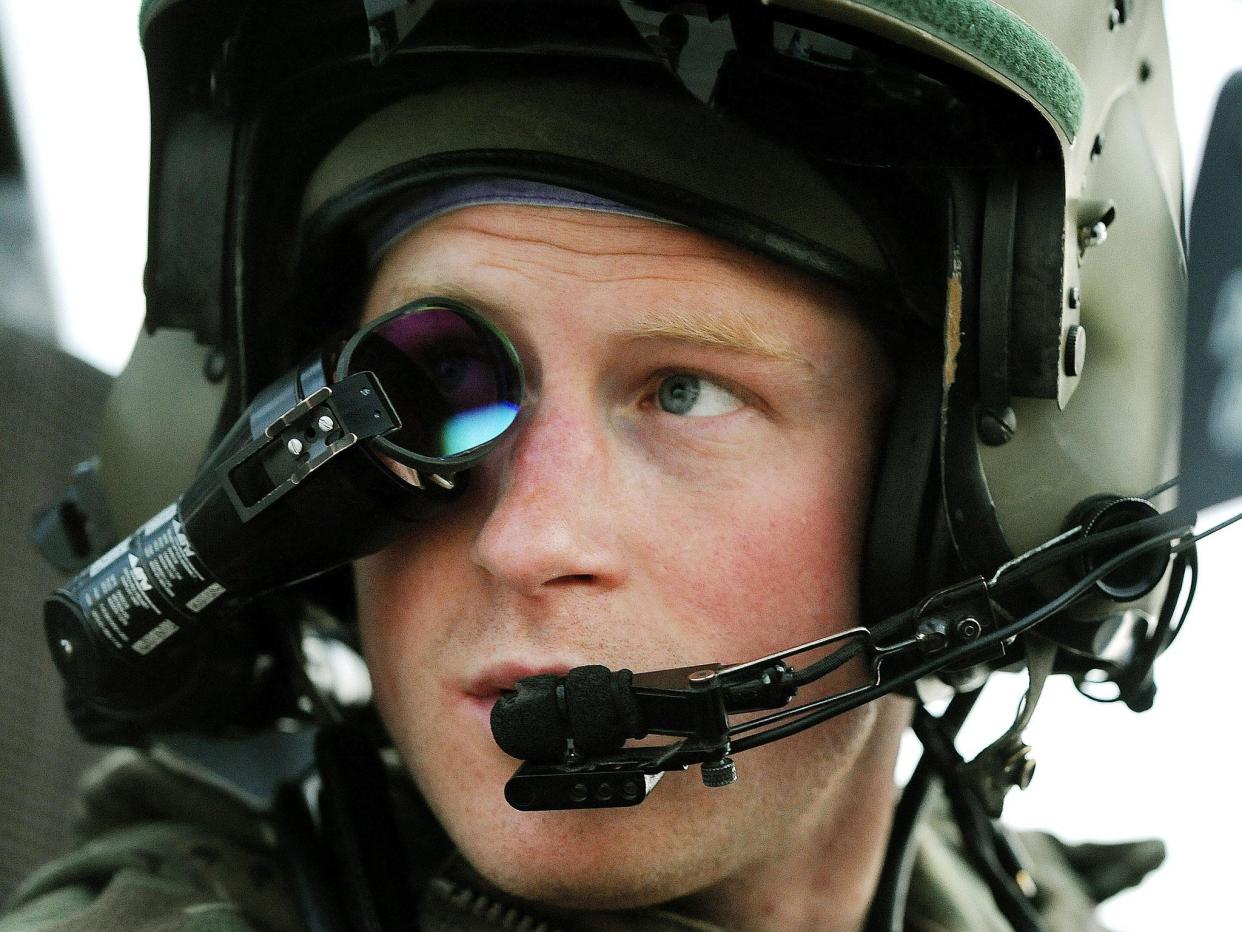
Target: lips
{"points": [[501, 677]]}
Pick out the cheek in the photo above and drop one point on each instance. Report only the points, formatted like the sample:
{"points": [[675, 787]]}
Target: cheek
{"points": [[394, 588], [768, 561]]}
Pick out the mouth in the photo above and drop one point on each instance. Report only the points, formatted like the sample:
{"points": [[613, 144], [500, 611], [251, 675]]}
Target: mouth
{"points": [[483, 689]]}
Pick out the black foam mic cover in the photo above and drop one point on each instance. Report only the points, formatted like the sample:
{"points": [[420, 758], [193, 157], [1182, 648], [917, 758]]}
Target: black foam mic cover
{"points": [[530, 723], [602, 709], [590, 704]]}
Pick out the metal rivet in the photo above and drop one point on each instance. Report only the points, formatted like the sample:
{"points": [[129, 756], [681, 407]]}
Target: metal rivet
{"points": [[1075, 350], [325, 423], [215, 366], [603, 792], [1092, 234], [578, 793], [700, 679], [997, 428], [66, 648], [968, 629], [294, 446], [1021, 772], [932, 634]]}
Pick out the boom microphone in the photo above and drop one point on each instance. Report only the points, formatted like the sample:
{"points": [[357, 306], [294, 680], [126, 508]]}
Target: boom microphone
{"points": [[591, 706]]}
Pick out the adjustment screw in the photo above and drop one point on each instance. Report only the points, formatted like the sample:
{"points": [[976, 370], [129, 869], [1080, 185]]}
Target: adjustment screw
{"points": [[1093, 234], [701, 679], [968, 629], [215, 366], [1075, 349], [1020, 771], [294, 446], [997, 428], [325, 423], [932, 634], [1117, 15], [719, 772]]}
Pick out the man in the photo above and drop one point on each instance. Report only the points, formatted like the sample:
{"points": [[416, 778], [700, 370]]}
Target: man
{"points": [[794, 362], [681, 392]]}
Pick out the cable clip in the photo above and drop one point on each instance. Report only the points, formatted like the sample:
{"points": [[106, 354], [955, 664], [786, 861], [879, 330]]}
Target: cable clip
{"points": [[957, 616]]}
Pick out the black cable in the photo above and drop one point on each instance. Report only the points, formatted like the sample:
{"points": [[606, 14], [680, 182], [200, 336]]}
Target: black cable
{"points": [[1041, 561], [1162, 487], [1190, 542], [313, 884], [888, 904], [980, 839], [834, 706], [1029, 567]]}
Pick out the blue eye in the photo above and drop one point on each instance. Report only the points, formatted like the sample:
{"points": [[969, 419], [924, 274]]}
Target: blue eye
{"points": [[692, 396]]}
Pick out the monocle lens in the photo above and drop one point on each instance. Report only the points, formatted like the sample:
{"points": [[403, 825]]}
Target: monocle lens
{"points": [[453, 379]]}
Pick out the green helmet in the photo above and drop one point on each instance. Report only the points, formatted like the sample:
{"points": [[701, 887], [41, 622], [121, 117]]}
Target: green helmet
{"points": [[998, 181]]}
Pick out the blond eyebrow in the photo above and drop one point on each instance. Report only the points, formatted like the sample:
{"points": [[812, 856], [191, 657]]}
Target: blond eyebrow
{"points": [[729, 332]]}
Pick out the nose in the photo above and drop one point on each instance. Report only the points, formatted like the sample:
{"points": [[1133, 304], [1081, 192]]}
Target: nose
{"points": [[550, 523]]}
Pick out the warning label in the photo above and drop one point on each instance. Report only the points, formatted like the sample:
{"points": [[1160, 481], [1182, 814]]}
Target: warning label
{"points": [[155, 637], [131, 592], [205, 598]]}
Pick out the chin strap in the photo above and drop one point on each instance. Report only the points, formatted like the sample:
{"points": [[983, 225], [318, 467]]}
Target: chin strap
{"points": [[345, 857], [1006, 762], [975, 792]]}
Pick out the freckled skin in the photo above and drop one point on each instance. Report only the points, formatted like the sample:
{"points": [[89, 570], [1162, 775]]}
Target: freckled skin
{"points": [[604, 529]]}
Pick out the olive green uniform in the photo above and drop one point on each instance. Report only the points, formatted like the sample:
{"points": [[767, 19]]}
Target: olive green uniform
{"points": [[166, 850]]}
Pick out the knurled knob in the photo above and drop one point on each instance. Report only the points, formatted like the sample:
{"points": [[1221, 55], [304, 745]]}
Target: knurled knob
{"points": [[719, 772]]}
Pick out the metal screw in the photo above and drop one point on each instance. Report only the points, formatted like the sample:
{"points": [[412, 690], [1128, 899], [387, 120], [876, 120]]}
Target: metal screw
{"points": [[294, 446], [325, 423], [1074, 298], [1093, 235], [719, 772], [578, 792], [1117, 15], [1020, 770], [932, 634], [998, 427], [215, 366], [701, 679], [968, 629], [603, 792], [66, 648], [1075, 349]]}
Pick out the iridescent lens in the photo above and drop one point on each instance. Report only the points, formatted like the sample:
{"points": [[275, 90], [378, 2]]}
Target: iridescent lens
{"points": [[451, 379]]}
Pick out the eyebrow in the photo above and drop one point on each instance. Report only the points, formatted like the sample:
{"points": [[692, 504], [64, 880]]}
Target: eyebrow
{"points": [[711, 328], [729, 331]]}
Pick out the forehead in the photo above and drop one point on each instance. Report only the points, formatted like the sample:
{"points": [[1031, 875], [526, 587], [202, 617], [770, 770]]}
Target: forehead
{"points": [[643, 276]]}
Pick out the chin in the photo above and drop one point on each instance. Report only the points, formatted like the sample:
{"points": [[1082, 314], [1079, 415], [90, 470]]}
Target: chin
{"points": [[594, 860]]}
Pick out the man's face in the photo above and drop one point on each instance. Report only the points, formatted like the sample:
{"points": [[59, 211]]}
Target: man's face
{"points": [[686, 482]]}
